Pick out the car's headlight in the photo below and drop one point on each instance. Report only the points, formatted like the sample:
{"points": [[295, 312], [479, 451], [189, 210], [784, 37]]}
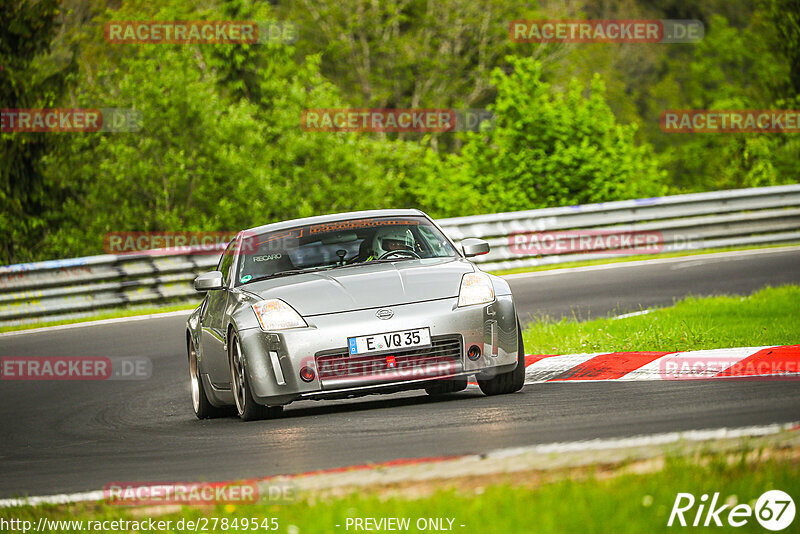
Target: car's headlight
{"points": [[275, 314], [476, 288]]}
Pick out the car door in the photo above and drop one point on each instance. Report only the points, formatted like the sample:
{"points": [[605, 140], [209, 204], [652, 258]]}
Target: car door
{"points": [[213, 324]]}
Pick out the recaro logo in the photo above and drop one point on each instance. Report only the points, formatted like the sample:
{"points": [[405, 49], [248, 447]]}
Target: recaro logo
{"points": [[385, 314], [774, 510]]}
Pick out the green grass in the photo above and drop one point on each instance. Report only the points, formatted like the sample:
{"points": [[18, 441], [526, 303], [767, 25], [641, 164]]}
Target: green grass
{"points": [[110, 314], [623, 259], [768, 317], [575, 502]]}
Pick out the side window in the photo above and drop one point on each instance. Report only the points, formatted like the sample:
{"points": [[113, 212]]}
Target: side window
{"points": [[433, 242], [226, 261]]}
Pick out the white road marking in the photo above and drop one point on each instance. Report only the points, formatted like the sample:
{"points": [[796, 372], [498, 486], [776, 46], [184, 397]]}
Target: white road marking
{"points": [[97, 323], [656, 261], [64, 498], [646, 440], [632, 314]]}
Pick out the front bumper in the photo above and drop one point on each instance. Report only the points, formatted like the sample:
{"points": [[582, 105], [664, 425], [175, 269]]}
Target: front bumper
{"points": [[274, 359]]}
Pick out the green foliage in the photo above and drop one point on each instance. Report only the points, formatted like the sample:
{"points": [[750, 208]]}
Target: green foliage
{"points": [[214, 153], [732, 68], [221, 146], [29, 78], [784, 17], [550, 149], [418, 53], [768, 317]]}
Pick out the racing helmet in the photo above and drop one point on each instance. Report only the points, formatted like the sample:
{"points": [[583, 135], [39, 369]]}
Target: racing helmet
{"points": [[392, 238]]}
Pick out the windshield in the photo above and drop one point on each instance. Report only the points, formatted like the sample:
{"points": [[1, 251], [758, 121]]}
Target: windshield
{"points": [[339, 244]]}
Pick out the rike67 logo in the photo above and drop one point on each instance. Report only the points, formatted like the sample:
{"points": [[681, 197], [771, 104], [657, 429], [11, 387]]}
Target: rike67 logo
{"points": [[774, 510]]}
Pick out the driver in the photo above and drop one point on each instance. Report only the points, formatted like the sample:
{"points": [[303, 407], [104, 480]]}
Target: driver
{"points": [[389, 239]]}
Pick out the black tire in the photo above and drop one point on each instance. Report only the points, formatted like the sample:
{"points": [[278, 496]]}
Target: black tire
{"points": [[509, 382], [246, 406], [202, 407], [443, 387]]}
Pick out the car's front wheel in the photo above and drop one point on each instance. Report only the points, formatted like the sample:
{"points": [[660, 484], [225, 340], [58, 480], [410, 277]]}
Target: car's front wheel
{"points": [[511, 381], [246, 406], [203, 408]]}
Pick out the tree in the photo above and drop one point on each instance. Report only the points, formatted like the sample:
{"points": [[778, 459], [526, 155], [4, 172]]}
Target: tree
{"points": [[550, 149], [784, 17], [213, 153], [29, 78], [731, 68]]}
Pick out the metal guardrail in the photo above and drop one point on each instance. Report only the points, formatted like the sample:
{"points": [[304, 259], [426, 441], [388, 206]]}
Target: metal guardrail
{"points": [[54, 290]]}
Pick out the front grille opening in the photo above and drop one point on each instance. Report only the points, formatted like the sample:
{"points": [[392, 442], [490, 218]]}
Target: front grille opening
{"points": [[442, 358]]}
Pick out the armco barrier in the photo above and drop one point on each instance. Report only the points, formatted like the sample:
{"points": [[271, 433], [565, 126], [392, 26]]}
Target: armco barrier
{"points": [[53, 290]]}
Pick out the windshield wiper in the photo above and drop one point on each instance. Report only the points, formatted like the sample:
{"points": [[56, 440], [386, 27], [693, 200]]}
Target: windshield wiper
{"points": [[285, 273], [385, 260], [325, 268]]}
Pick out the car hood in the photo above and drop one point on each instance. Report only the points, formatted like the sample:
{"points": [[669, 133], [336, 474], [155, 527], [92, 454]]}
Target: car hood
{"points": [[366, 286]]}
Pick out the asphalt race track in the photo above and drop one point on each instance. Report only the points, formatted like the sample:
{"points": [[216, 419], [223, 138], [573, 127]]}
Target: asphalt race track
{"points": [[62, 437], [598, 291]]}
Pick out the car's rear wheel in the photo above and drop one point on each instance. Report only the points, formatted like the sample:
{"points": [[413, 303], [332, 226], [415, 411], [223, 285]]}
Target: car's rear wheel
{"points": [[246, 406], [511, 381], [203, 408], [443, 387]]}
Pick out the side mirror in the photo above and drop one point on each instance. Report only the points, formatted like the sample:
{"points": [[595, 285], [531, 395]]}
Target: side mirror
{"points": [[208, 281], [474, 247]]}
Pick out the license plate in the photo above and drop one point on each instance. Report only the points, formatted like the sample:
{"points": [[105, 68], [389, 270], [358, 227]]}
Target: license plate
{"points": [[403, 339]]}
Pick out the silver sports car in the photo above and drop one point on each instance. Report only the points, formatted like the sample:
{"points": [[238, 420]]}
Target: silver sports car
{"points": [[346, 305]]}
